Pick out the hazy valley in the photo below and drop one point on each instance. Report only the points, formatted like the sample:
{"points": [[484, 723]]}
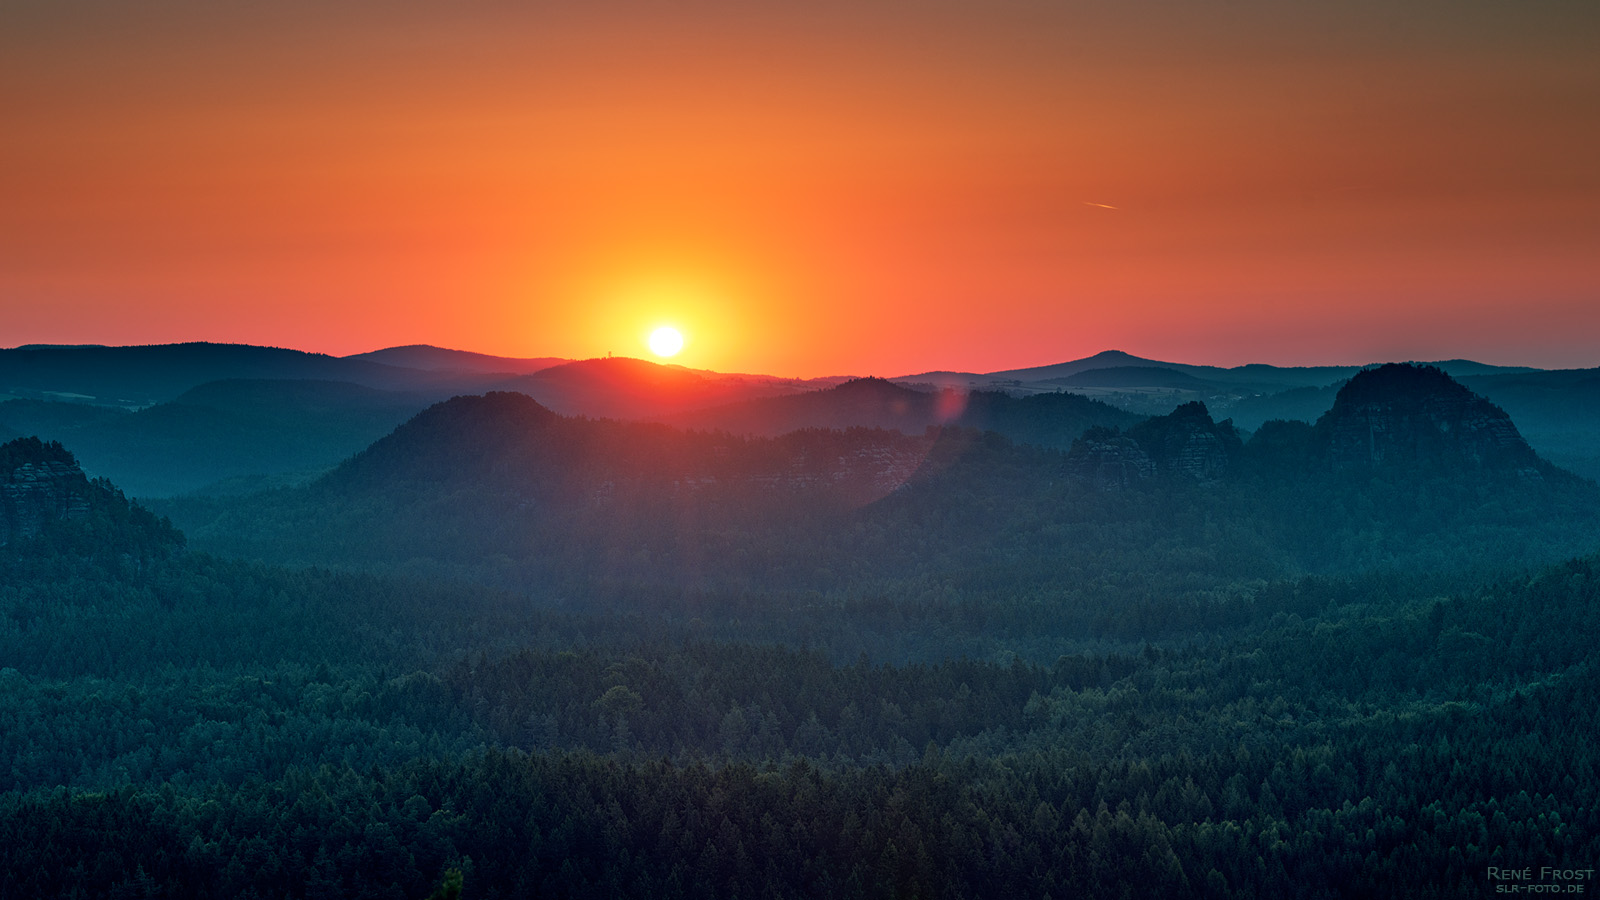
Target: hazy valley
{"points": [[607, 628]]}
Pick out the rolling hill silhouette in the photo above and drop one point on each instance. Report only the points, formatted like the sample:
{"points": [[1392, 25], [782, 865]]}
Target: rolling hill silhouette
{"points": [[1047, 420], [1132, 376], [501, 484], [78, 394], [141, 376], [627, 388], [430, 358], [235, 435]]}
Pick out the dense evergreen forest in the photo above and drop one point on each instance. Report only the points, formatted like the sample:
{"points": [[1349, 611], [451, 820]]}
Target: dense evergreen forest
{"points": [[477, 657]]}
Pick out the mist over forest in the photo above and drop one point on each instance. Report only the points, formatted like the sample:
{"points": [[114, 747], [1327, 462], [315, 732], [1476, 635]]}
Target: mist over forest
{"points": [[422, 623]]}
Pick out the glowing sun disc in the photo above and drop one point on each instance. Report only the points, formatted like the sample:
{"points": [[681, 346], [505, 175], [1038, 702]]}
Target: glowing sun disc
{"points": [[666, 341]]}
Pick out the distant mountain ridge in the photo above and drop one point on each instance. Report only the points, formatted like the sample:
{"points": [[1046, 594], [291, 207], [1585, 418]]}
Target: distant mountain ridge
{"points": [[238, 417], [628, 388], [142, 376], [1129, 376], [250, 438], [1251, 373], [1392, 417], [501, 484], [534, 450], [1047, 420], [235, 434], [428, 357], [499, 477]]}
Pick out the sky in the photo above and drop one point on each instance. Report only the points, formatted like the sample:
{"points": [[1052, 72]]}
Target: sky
{"points": [[823, 188]]}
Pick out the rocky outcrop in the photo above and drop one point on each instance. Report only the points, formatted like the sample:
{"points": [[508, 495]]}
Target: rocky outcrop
{"points": [[1396, 416], [1404, 415], [39, 483], [1185, 444], [1188, 444], [1110, 459]]}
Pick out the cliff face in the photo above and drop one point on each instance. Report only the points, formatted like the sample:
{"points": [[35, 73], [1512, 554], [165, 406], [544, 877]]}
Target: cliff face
{"points": [[1188, 444], [1185, 444], [1396, 416], [1109, 459], [39, 483], [1408, 415]]}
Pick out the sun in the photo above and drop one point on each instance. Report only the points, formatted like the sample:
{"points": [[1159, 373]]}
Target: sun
{"points": [[666, 341]]}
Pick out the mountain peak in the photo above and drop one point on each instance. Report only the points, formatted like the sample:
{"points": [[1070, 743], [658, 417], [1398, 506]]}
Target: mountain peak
{"points": [[39, 483], [1186, 443], [1411, 414], [1400, 383], [437, 440], [871, 386], [1117, 357], [623, 371], [439, 359]]}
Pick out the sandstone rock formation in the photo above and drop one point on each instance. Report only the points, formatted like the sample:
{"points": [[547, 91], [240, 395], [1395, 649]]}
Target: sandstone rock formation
{"points": [[1110, 459], [39, 483], [1185, 444], [1188, 444], [1410, 416]]}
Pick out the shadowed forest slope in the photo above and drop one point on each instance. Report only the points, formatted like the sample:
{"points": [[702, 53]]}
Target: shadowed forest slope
{"points": [[1409, 470]]}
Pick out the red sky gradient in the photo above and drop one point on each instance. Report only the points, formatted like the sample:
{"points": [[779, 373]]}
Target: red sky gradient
{"points": [[818, 188]]}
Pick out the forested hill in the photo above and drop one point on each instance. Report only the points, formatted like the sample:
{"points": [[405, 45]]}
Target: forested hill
{"points": [[498, 487], [509, 442], [728, 674], [1048, 420], [48, 506], [1418, 416], [1404, 420], [40, 485], [140, 376], [202, 728], [232, 435]]}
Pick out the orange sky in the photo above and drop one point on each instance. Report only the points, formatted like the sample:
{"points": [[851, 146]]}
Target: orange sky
{"points": [[821, 188]]}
